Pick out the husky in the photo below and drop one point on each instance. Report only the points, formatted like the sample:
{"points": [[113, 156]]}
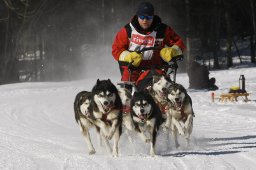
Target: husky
{"points": [[106, 108], [146, 116], [158, 90], [83, 117], [180, 112]]}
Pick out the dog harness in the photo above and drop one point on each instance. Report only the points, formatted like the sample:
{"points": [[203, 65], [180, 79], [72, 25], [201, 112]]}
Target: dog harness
{"points": [[126, 110], [181, 109], [105, 115], [163, 105]]}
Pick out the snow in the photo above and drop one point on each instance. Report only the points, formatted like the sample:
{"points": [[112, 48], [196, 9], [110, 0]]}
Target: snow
{"points": [[38, 130]]}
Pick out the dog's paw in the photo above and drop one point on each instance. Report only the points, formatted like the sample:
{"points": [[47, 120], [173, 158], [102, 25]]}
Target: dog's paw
{"points": [[91, 152], [105, 132], [181, 132], [152, 153], [115, 152], [187, 125], [147, 140], [177, 145], [115, 155], [166, 128], [110, 135]]}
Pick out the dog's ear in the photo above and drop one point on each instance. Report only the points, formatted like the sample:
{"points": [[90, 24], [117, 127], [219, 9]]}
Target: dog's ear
{"points": [[135, 93], [155, 78], [98, 81], [168, 78], [109, 80]]}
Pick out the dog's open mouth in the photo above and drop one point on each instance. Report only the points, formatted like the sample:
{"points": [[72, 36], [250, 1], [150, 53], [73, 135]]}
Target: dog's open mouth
{"points": [[162, 94], [107, 108], [179, 104], [143, 117], [86, 113]]}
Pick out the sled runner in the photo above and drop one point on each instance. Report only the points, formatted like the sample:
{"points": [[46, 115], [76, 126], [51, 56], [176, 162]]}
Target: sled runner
{"points": [[233, 97]]}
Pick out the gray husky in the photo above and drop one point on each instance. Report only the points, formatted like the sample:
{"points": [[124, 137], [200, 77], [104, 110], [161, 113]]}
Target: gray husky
{"points": [[158, 90], [181, 113]]}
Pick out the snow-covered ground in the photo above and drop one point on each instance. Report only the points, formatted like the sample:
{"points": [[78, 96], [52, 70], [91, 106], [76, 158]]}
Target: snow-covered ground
{"points": [[38, 130]]}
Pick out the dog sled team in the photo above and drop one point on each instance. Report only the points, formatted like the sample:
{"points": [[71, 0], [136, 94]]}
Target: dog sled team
{"points": [[159, 102], [161, 105]]}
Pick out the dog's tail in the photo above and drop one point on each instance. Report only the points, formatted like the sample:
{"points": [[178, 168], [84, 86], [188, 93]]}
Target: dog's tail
{"points": [[77, 104]]}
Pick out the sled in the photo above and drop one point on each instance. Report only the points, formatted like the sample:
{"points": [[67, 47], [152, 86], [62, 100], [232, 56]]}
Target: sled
{"points": [[233, 97]]}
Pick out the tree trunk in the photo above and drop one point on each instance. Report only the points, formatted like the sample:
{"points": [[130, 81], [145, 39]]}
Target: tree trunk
{"points": [[238, 52], [216, 35], [252, 49], [252, 38], [9, 72], [188, 31], [5, 49], [41, 48], [229, 38]]}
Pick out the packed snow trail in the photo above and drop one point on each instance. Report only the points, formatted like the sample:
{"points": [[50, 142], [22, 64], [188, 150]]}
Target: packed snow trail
{"points": [[38, 130]]}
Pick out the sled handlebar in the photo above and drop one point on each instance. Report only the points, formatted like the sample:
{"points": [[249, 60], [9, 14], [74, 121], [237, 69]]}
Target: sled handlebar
{"points": [[137, 50], [147, 49], [172, 65], [131, 67]]}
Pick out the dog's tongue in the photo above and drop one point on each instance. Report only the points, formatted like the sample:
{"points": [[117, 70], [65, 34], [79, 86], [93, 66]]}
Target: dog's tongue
{"points": [[142, 117], [163, 95], [107, 108], [179, 104]]}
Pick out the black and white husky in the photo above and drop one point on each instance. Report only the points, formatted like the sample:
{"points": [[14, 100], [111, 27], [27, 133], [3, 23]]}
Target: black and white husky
{"points": [[147, 117], [83, 117], [106, 108], [180, 112]]}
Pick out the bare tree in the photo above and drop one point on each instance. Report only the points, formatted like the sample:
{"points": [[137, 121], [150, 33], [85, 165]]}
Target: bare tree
{"points": [[253, 37], [229, 34]]}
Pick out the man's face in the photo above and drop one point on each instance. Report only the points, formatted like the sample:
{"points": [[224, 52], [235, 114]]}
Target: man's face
{"points": [[145, 21]]}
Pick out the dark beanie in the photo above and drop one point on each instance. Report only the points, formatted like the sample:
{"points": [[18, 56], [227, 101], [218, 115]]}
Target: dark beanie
{"points": [[145, 8]]}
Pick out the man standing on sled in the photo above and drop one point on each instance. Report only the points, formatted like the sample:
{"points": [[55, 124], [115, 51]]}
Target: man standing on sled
{"points": [[145, 30]]}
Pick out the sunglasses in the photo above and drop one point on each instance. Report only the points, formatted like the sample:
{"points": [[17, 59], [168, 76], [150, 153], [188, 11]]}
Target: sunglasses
{"points": [[142, 17]]}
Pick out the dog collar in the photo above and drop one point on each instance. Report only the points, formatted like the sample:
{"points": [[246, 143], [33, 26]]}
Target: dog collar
{"points": [[126, 109], [105, 115], [163, 105]]}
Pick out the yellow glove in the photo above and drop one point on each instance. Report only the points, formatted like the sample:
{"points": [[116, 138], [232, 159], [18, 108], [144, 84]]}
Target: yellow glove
{"points": [[131, 57], [169, 52]]}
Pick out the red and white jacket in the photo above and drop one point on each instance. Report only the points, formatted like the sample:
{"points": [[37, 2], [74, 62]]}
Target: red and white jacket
{"points": [[132, 37]]}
